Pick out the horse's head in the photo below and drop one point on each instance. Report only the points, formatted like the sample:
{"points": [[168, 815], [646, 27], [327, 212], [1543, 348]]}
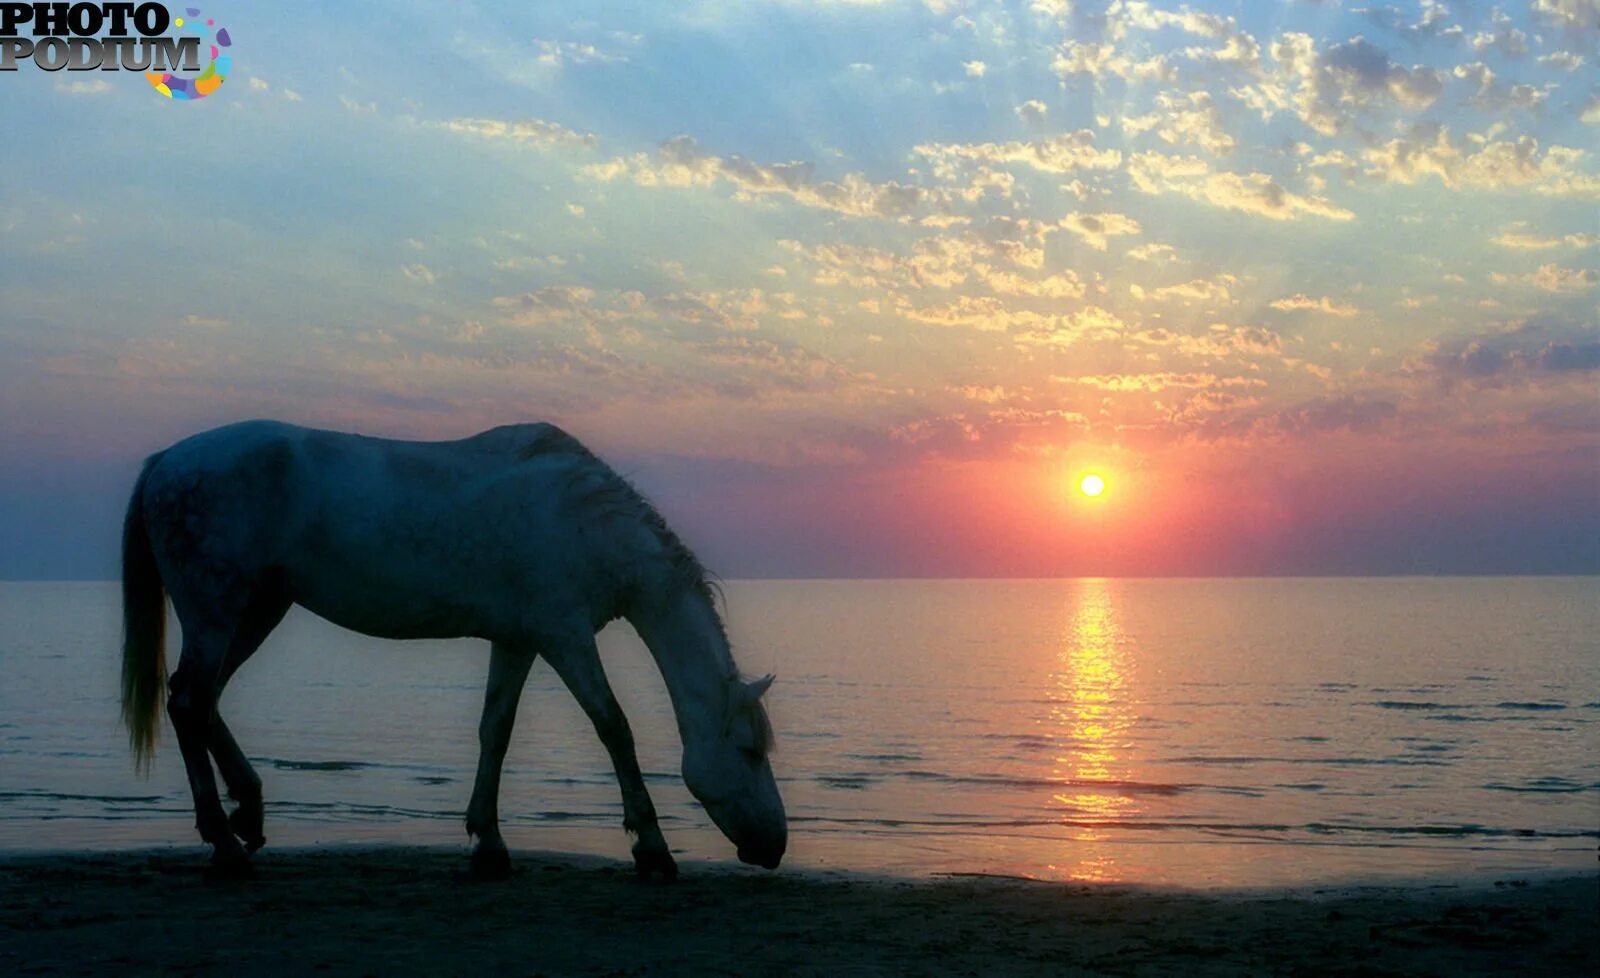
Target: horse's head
{"points": [[725, 766]]}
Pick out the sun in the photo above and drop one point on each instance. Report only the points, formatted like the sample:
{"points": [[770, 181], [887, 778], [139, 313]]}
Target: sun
{"points": [[1092, 485]]}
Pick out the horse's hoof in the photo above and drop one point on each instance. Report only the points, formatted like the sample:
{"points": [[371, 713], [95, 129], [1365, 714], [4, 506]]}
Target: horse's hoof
{"points": [[246, 826], [491, 863], [649, 861], [229, 863]]}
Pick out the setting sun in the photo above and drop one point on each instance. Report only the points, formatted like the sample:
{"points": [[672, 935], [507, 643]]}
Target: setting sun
{"points": [[1092, 485]]}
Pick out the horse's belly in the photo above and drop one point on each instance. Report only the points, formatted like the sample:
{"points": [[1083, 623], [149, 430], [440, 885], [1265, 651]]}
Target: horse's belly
{"points": [[379, 602]]}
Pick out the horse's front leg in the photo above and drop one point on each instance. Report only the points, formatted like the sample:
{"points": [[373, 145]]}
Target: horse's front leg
{"points": [[508, 671], [577, 662]]}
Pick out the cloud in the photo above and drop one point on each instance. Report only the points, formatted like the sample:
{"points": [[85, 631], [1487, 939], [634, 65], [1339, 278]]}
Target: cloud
{"points": [[1185, 118], [1494, 94], [1552, 278], [1514, 236], [204, 322], [94, 86], [527, 132], [1517, 356], [1252, 193], [1153, 252], [679, 162], [1100, 60], [1428, 151], [1578, 16], [1160, 381], [1033, 111], [1195, 290], [975, 69], [1589, 113], [1095, 229], [1565, 60], [551, 303], [419, 273], [984, 313], [1066, 153], [1090, 322], [996, 254], [1219, 340], [1300, 302], [558, 54], [1331, 414], [1326, 89]]}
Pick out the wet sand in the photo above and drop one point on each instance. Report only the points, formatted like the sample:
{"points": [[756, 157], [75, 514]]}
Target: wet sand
{"points": [[409, 911]]}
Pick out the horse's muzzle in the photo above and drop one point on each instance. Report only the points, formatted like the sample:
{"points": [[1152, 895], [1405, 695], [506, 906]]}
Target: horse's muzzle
{"points": [[767, 857]]}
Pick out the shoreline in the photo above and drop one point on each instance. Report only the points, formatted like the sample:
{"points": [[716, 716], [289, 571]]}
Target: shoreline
{"points": [[401, 910]]}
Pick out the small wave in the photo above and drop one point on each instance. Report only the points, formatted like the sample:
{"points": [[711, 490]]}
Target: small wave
{"points": [[1416, 705], [1519, 705], [845, 782], [1551, 786], [1125, 787], [287, 765], [887, 758], [1159, 825], [1338, 761], [68, 796]]}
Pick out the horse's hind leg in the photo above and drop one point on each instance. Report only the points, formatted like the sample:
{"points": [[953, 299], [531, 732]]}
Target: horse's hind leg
{"points": [[191, 704], [268, 603]]}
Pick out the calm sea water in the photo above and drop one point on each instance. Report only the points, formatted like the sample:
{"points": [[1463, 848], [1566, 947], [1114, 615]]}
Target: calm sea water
{"points": [[1203, 733]]}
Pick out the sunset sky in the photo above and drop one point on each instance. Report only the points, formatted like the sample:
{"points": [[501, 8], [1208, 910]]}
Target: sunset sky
{"points": [[852, 288]]}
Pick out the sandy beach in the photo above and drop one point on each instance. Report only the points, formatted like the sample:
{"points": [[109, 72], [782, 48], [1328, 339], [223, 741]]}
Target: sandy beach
{"points": [[409, 911]]}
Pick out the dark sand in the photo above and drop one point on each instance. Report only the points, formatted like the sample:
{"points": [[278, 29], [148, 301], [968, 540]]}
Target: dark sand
{"points": [[405, 911]]}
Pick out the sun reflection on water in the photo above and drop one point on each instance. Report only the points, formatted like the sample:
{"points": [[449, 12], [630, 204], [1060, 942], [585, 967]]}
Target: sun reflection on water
{"points": [[1090, 719]]}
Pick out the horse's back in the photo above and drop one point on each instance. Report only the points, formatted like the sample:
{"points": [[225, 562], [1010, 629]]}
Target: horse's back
{"points": [[426, 525]]}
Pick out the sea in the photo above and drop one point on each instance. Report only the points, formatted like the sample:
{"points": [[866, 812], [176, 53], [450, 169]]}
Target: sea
{"points": [[1199, 733]]}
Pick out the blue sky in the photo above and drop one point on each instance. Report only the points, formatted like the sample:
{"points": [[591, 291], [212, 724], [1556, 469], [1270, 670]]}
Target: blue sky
{"points": [[852, 287]]}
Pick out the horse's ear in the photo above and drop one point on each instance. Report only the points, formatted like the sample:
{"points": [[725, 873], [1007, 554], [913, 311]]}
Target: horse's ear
{"points": [[754, 691]]}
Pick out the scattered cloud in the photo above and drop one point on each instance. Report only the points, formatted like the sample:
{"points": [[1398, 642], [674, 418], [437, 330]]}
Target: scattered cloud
{"points": [[1552, 278], [1428, 151], [1033, 111], [1096, 229], [679, 162], [1252, 193], [93, 86], [1518, 237], [1066, 153], [527, 132], [1300, 302]]}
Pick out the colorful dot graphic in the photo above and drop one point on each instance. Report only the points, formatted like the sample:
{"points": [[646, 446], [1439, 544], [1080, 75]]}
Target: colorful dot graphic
{"points": [[209, 80]]}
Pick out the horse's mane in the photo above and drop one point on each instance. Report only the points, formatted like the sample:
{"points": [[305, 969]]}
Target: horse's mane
{"points": [[603, 491]]}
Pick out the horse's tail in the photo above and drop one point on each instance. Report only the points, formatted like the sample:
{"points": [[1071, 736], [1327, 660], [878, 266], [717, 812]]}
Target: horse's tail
{"points": [[144, 630]]}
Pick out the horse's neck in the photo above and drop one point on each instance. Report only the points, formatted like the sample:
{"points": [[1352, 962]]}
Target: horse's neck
{"points": [[686, 640]]}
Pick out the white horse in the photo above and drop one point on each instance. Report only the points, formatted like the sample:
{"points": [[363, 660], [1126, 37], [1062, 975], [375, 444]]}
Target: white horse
{"points": [[518, 535]]}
